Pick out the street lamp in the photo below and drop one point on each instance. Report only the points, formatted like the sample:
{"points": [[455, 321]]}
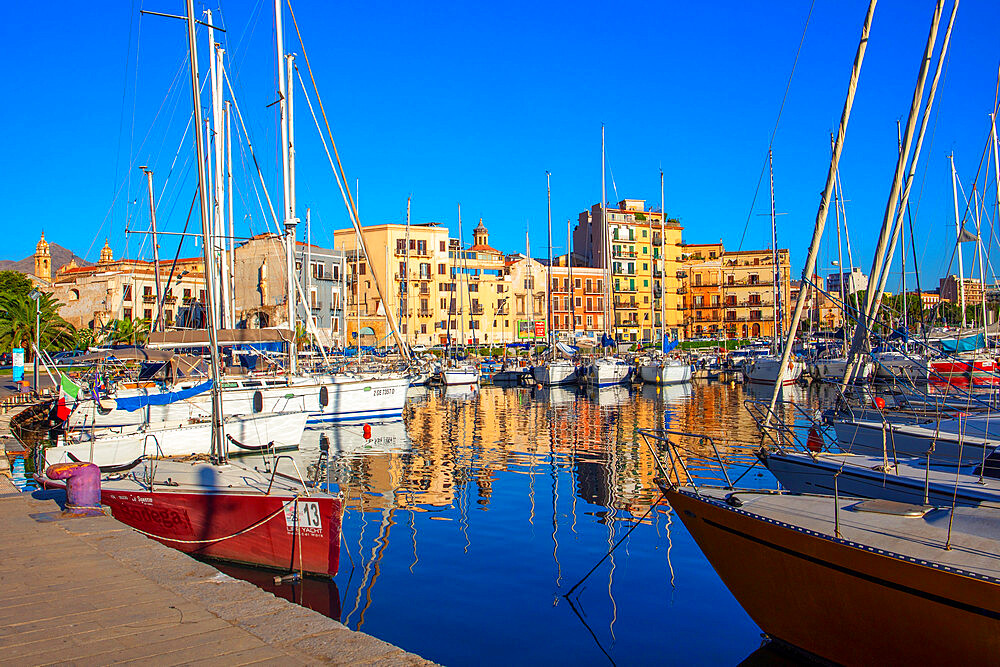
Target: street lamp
{"points": [[36, 296]]}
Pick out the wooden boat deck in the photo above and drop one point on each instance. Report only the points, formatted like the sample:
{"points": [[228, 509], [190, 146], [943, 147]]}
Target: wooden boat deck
{"points": [[975, 534], [92, 591]]}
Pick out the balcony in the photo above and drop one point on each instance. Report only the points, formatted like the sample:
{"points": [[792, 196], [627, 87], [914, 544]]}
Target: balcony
{"points": [[477, 309], [749, 283], [657, 239], [149, 298], [682, 290], [424, 312]]}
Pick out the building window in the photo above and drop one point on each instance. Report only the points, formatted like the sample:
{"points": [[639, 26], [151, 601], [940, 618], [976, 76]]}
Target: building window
{"points": [[441, 269], [590, 320], [147, 290], [128, 313], [147, 314], [576, 282], [128, 292]]}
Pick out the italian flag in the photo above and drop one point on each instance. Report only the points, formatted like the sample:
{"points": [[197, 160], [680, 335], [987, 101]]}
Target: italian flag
{"points": [[67, 388]]}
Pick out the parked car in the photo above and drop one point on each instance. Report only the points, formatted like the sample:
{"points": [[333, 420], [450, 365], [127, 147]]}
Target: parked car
{"points": [[67, 358], [419, 347]]}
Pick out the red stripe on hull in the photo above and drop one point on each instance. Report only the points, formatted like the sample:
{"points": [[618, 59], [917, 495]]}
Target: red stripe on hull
{"points": [[186, 521]]}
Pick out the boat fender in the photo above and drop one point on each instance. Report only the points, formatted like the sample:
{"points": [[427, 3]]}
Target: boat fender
{"points": [[366, 430], [250, 448], [733, 501], [324, 397], [258, 402], [814, 442], [324, 443], [879, 403]]}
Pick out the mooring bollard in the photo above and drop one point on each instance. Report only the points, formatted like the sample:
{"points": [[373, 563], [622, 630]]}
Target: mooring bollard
{"points": [[83, 484]]}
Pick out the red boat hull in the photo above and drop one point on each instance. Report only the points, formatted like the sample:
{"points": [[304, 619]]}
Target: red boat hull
{"points": [[979, 372], [274, 531]]}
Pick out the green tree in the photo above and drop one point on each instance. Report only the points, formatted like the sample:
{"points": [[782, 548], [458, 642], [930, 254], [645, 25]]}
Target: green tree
{"points": [[15, 283], [17, 323]]}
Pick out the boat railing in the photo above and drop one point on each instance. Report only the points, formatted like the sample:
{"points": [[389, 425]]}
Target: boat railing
{"points": [[694, 459], [298, 474], [152, 458], [790, 426]]}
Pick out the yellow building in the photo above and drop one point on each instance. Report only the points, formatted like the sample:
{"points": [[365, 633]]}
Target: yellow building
{"points": [[642, 266], [732, 293], [439, 290], [748, 292]]}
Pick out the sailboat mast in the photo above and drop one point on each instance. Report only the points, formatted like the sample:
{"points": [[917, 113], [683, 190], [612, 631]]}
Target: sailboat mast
{"points": [[157, 323], [958, 239], [902, 244], [840, 262], [405, 278], [572, 295], [229, 204], [461, 301], [776, 271], [605, 242], [550, 334], [663, 269], [982, 275], [288, 212], [307, 267], [218, 440]]}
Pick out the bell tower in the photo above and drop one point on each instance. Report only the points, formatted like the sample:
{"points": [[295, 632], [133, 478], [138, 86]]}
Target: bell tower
{"points": [[106, 255], [43, 260], [479, 235]]}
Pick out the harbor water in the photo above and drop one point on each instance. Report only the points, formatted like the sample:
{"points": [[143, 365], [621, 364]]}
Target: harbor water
{"points": [[470, 524]]}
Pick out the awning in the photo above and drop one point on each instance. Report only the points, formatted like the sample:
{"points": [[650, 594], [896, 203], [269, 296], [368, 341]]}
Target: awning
{"points": [[130, 353], [199, 337]]}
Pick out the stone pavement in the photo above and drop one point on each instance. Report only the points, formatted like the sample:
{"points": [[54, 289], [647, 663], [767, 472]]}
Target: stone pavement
{"points": [[93, 592]]}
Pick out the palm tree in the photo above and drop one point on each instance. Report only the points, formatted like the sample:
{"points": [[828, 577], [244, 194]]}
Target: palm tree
{"points": [[124, 331], [17, 323]]}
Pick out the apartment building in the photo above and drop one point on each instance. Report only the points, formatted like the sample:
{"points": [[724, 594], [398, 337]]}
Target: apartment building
{"points": [[951, 288], [577, 301], [642, 264], [440, 290], [731, 293]]}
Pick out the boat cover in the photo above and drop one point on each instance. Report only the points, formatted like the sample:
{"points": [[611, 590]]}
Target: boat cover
{"points": [[967, 344], [133, 403]]}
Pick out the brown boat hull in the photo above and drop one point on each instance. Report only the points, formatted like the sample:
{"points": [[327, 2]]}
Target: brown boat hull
{"points": [[840, 602]]}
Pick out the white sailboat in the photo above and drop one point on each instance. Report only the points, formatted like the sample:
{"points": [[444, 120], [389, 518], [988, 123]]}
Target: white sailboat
{"points": [[606, 370], [660, 369], [454, 372], [765, 369]]}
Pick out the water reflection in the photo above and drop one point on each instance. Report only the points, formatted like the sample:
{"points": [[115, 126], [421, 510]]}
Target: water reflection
{"points": [[483, 508]]}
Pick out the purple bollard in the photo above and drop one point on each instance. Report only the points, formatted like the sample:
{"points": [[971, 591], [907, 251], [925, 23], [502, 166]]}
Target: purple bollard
{"points": [[83, 485]]}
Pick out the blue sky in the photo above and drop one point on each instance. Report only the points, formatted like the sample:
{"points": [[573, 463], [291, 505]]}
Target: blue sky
{"points": [[473, 102]]}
